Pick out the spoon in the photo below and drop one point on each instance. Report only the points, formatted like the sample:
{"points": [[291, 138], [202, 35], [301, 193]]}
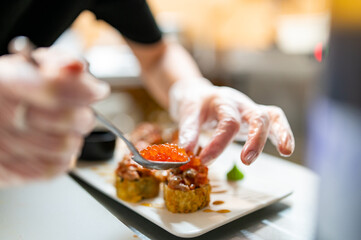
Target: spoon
{"points": [[136, 155], [22, 45]]}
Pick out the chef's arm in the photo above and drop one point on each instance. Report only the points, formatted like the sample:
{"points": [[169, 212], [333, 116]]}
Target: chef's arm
{"points": [[162, 65]]}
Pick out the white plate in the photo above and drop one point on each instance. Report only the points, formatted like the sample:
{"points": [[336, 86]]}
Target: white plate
{"points": [[240, 198]]}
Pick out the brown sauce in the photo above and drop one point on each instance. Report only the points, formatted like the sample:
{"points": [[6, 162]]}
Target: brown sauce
{"points": [[219, 211], [220, 191], [218, 202], [208, 210], [223, 211], [151, 205], [146, 204]]}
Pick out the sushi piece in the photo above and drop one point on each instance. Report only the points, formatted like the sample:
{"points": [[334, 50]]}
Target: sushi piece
{"points": [[187, 188], [134, 182]]}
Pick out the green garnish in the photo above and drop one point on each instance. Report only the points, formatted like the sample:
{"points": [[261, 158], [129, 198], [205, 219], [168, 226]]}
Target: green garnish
{"points": [[235, 174]]}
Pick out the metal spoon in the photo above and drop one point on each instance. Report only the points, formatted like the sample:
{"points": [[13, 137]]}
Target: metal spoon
{"points": [[22, 45], [136, 155]]}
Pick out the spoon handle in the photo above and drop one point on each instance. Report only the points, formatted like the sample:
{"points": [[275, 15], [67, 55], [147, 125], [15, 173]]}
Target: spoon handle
{"points": [[136, 155], [111, 127]]}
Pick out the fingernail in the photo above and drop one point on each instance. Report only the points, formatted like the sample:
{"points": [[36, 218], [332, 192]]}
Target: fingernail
{"points": [[287, 150], [286, 147], [74, 67], [251, 157], [289, 146]]}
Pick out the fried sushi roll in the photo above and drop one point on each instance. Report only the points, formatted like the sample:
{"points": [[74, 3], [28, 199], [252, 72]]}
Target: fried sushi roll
{"points": [[134, 182], [187, 188]]}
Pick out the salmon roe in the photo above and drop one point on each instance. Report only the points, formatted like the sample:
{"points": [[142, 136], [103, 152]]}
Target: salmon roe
{"points": [[164, 153]]}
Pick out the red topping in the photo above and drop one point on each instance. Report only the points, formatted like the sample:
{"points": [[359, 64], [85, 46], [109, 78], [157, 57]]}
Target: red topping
{"points": [[128, 169], [194, 162], [188, 179], [164, 153]]}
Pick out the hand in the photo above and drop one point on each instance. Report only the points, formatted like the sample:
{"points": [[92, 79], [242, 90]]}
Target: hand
{"points": [[44, 113], [196, 106]]}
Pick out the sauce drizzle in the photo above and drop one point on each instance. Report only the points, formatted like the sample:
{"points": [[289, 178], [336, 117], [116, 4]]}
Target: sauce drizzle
{"points": [[159, 206], [223, 211], [146, 204], [208, 210], [218, 202], [219, 211], [220, 191]]}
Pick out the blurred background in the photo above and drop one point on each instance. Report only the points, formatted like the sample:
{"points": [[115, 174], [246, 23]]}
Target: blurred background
{"points": [[271, 50]]}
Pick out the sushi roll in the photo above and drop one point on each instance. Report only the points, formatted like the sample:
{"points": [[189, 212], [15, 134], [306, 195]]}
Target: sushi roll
{"points": [[134, 182], [187, 188]]}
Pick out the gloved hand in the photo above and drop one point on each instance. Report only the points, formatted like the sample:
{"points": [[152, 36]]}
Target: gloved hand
{"points": [[43, 114], [198, 105]]}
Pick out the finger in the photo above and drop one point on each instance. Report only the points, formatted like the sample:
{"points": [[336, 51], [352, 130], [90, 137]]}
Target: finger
{"points": [[53, 60], [15, 170], [228, 126], [75, 120], [34, 142], [78, 89], [18, 166], [281, 134], [50, 85], [257, 135], [70, 80], [189, 127], [7, 111]]}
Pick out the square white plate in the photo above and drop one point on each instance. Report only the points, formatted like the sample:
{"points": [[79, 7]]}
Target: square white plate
{"points": [[240, 198]]}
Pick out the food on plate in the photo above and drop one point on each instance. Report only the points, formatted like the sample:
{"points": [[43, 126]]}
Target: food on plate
{"points": [[235, 174], [187, 188], [134, 182]]}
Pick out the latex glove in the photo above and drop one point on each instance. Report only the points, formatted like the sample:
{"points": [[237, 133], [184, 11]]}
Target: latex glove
{"points": [[53, 103], [232, 112]]}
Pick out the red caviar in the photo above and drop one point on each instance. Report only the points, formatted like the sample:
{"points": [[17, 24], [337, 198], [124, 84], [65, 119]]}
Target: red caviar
{"points": [[164, 153]]}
